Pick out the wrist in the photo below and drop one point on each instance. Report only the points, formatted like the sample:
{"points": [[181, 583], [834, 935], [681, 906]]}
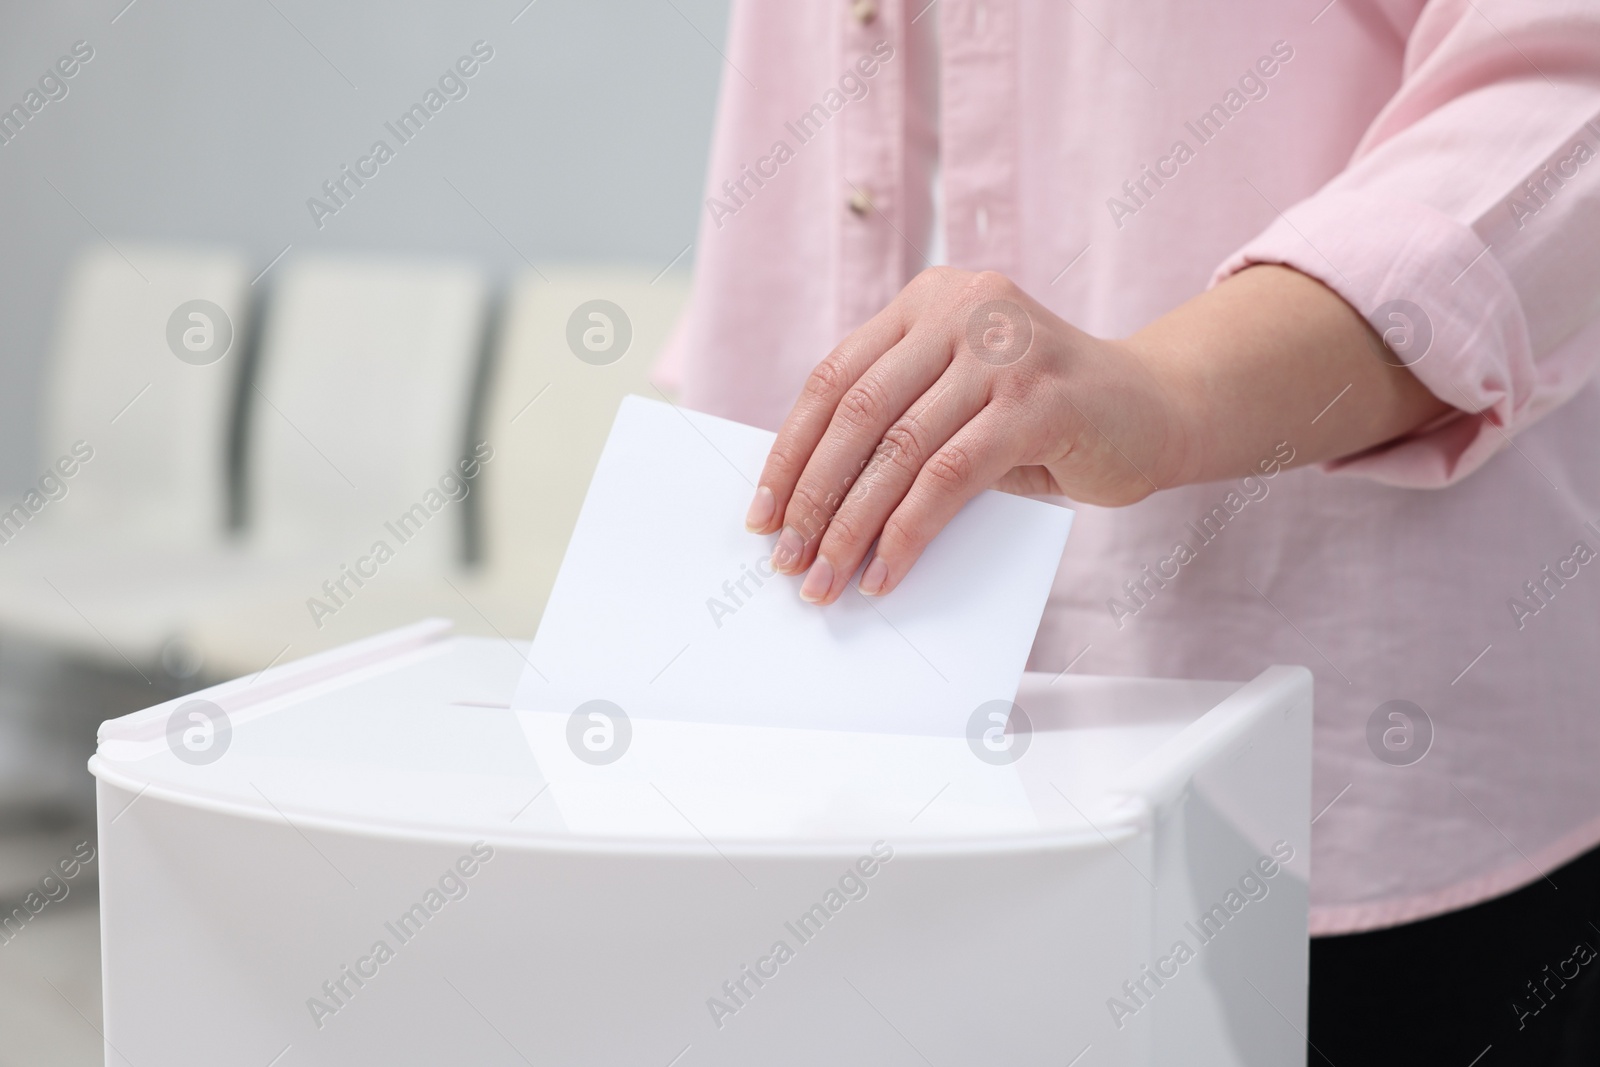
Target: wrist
{"points": [[1175, 400]]}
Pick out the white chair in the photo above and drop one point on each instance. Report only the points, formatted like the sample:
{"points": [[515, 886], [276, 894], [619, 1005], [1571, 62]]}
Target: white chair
{"points": [[360, 407], [550, 410], [143, 432], [356, 416], [546, 416]]}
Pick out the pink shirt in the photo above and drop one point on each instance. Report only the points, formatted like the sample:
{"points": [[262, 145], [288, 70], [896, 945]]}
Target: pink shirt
{"points": [[1115, 157]]}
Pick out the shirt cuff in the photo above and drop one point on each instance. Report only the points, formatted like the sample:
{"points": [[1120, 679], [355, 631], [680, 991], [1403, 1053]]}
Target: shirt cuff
{"points": [[1448, 310]]}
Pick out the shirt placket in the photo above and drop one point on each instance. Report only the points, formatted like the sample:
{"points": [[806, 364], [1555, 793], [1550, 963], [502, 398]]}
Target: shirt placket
{"points": [[978, 149], [868, 195]]}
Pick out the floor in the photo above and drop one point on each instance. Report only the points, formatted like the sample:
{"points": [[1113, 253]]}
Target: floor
{"points": [[50, 965], [50, 968]]}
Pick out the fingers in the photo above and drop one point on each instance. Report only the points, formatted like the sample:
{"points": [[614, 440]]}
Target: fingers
{"points": [[864, 413], [809, 418], [905, 448], [976, 457], [891, 436]]}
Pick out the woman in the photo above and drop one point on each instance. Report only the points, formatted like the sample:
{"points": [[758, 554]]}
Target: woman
{"points": [[1297, 301]]}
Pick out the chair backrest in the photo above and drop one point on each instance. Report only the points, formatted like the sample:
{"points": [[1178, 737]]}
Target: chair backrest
{"points": [[358, 412], [554, 390], [156, 422]]}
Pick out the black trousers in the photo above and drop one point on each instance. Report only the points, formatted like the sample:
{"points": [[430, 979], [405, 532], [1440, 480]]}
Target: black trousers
{"points": [[1511, 982]]}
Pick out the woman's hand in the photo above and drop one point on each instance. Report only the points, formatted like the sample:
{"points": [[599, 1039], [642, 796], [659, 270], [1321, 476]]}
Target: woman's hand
{"points": [[964, 383], [961, 384]]}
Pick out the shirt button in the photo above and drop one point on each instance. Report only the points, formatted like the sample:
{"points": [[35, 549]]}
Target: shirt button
{"points": [[864, 11], [860, 202]]}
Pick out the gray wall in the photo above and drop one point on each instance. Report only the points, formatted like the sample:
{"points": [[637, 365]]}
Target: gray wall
{"points": [[584, 138]]}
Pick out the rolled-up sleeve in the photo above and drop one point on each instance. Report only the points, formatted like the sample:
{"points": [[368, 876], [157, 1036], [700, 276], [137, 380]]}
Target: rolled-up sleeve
{"points": [[1466, 227]]}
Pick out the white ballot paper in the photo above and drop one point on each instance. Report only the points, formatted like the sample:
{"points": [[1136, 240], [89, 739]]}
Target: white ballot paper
{"points": [[666, 607]]}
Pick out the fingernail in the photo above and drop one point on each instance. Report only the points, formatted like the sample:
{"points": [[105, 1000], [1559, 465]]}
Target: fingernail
{"points": [[786, 556], [760, 513], [819, 579], [875, 578]]}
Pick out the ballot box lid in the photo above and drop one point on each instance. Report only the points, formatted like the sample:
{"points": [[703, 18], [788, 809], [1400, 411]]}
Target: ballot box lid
{"points": [[411, 734]]}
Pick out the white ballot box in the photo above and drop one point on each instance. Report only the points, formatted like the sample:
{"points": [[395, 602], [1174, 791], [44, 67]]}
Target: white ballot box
{"points": [[368, 857]]}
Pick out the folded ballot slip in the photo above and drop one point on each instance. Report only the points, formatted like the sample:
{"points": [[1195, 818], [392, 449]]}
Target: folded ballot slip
{"points": [[666, 607]]}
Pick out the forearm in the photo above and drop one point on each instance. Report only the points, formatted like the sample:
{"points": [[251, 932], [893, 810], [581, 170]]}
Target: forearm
{"points": [[1270, 356]]}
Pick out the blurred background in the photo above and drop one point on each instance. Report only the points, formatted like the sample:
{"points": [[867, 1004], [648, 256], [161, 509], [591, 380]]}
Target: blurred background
{"points": [[266, 387]]}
